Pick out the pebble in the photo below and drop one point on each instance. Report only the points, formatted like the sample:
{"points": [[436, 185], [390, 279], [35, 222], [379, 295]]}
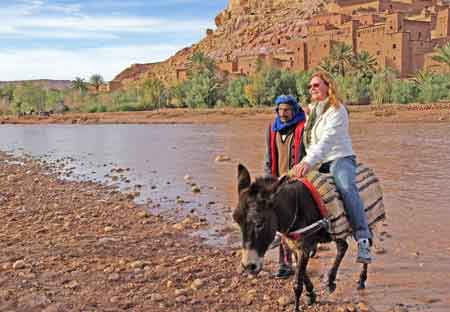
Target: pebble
{"points": [[285, 300], [196, 284], [19, 264], [108, 229], [156, 297], [362, 307], [195, 189], [222, 158], [137, 264], [181, 299], [113, 277]]}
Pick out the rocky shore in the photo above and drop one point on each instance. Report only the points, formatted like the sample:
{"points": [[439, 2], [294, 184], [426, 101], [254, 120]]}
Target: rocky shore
{"points": [[82, 246]]}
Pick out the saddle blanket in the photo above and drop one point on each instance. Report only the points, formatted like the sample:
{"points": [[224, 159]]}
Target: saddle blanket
{"points": [[369, 189]]}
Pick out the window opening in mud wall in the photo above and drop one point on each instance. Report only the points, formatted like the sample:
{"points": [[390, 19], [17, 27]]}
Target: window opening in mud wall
{"points": [[394, 46]]}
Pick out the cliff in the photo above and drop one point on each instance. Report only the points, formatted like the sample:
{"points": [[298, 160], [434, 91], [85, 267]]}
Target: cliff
{"points": [[299, 34], [252, 26]]}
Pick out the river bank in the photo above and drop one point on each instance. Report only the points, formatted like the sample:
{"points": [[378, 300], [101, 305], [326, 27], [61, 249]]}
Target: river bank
{"points": [[81, 246], [388, 112]]}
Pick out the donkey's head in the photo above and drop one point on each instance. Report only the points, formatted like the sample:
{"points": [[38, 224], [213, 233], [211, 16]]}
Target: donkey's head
{"points": [[256, 217]]}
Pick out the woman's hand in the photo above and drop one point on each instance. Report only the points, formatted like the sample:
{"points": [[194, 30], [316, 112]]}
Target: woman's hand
{"points": [[301, 169]]}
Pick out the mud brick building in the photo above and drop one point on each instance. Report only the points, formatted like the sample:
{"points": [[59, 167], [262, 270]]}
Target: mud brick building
{"points": [[401, 34], [298, 34]]}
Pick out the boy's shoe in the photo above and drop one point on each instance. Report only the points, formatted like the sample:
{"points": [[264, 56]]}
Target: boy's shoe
{"points": [[364, 255], [284, 272]]}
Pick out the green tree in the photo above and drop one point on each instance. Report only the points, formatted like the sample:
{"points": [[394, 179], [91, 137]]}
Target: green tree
{"points": [[79, 84], [342, 58], [404, 91], [365, 65], [153, 94], [235, 92], [302, 82], [443, 55], [203, 86], [28, 97], [432, 87], [96, 80], [381, 86]]}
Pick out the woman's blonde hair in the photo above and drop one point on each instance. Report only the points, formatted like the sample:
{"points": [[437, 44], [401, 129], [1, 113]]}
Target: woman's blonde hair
{"points": [[333, 95]]}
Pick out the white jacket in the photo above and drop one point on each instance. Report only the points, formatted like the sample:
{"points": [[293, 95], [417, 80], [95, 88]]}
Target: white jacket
{"points": [[330, 136]]}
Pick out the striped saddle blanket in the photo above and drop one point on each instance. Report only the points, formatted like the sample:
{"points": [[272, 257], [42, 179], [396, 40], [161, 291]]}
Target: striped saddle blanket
{"points": [[369, 190]]}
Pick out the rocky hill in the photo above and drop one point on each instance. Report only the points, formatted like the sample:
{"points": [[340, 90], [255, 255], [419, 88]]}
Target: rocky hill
{"points": [[45, 83], [252, 26]]}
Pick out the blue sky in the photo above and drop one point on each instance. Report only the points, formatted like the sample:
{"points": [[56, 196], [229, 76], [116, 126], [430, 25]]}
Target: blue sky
{"points": [[63, 39]]}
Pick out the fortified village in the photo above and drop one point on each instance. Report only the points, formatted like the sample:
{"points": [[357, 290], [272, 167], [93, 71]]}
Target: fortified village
{"points": [[297, 34]]}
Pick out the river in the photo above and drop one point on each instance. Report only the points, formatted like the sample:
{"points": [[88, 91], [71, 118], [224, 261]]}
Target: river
{"points": [[411, 159]]}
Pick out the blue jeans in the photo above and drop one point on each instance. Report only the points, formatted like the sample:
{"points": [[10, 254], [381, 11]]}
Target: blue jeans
{"points": [[343, 171]]}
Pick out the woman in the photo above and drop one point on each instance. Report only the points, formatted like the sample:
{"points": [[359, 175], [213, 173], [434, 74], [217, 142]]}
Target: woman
{"points": [[329, 146]]}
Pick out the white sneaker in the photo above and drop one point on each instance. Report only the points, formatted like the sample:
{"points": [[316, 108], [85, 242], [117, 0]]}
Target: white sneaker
{"points": [[364, 255]]}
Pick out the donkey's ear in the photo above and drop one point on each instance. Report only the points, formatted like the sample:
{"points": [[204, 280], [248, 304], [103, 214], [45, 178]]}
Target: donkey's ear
{"points": [[273, 188], [243, 178]]}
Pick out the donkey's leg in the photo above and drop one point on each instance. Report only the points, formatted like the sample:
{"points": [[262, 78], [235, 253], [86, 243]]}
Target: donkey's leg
{"points": [[301, 270], [341, 246], [363, 277], [310, 290]]}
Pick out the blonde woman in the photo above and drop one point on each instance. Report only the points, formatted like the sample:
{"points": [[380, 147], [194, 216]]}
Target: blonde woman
{"points": [[328, 146]]}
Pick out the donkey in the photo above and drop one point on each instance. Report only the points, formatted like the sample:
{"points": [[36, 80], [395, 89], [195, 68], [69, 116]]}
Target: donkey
{"points": [[271, 205]]}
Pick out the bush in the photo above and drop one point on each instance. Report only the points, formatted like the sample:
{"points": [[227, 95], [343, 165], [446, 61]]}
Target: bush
{"points": [[404, 92], [235, 92]]}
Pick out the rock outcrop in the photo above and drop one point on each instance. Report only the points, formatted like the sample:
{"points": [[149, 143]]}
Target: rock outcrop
{"points": [[252, 26]]}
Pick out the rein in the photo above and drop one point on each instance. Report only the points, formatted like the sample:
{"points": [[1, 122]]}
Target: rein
{"points": [[304, 232]]}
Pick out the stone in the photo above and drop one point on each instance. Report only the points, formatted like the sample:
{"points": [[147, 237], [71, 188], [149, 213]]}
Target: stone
{"points": [[222, 158], [137, 264], [196, 284], [18, 265], [156, 298], [108, 229], [362, 307], [195, 189], [285, 300], [113, 277]]}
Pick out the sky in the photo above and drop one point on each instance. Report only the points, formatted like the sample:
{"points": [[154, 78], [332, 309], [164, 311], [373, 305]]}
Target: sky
{"points": [[64, 39]]}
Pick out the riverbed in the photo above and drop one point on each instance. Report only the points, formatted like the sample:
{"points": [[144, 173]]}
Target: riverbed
{"points": [[160, 163]]}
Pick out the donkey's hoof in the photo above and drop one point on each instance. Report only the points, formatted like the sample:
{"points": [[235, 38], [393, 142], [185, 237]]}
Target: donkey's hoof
{"points": [[312, 298]]}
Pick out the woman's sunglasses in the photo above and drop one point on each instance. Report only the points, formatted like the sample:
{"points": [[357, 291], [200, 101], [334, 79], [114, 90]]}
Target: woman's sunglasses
{"points": [[313, 85]]}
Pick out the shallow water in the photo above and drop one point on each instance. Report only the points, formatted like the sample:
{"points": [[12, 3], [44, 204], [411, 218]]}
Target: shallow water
{"points": [[412, 161]]}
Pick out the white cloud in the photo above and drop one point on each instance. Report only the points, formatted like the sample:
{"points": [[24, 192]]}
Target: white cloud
{"points": [[68, 64]]}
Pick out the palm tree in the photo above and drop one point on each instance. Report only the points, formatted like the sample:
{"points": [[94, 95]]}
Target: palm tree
{"points": [[96, 80], [327, 65], [365, 64], [342, 56], [79, 84], [443, 55]]}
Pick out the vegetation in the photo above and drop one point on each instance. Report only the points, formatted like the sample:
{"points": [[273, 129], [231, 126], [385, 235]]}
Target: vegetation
{"points": [[357, 76]]}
